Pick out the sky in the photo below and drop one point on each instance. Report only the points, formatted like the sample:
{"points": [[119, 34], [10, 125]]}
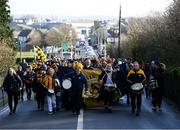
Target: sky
{"points": [[79, 8]]}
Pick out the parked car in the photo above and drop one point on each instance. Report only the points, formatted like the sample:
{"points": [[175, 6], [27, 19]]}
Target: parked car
{"points": [[67, 55]]}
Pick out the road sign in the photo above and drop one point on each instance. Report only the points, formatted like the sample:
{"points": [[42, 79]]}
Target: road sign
{"points": [[64, 45]]}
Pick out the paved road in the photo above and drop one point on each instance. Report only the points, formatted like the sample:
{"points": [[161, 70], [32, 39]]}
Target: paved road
{"points": [[28, 117]]}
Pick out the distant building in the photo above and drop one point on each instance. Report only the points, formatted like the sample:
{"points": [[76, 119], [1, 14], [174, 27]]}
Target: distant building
{"points": [[82, 29], [23, 38]]}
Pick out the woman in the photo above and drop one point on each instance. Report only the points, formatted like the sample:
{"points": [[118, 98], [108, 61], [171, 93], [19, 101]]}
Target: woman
{"points": [[12, 85], [108, 87]]}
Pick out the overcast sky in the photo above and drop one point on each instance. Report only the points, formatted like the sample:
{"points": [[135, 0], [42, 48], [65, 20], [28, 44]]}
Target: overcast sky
{"points": [[87, 7]]}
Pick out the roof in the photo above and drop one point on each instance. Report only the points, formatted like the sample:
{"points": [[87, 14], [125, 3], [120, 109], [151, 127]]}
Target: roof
{"points": [[25, 33], [45, 25]]}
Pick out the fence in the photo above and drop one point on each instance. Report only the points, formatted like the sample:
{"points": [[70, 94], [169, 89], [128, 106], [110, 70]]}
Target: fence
{"points": [[172, 88], [3, 98]]}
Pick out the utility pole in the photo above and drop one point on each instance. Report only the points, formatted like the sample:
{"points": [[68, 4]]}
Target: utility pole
{"points": [[119, 39], [20, 47]]}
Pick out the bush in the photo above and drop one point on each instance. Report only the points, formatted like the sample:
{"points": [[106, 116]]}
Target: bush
{"points": [[7, 59], [174, 71]]}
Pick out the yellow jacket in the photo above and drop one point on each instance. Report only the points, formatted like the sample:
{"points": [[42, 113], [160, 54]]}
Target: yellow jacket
{"points": [[49, 82], [136, 76]]}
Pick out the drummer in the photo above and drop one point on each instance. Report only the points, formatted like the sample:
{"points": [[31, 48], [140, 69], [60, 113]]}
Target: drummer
{"points": [[107, 78], [79, 82], [136, 75], [49, 83]]}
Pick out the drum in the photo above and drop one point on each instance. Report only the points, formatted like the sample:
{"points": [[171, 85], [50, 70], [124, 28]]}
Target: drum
{"points": [[137, 87], [66, 84], [57, 83], [109, 87], [152, 84], [50, 92]]}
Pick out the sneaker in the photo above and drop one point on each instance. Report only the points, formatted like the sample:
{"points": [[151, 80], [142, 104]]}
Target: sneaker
{"points": [[160, 109], [154, 109], [38, 108], [128, 102], [10, 113], [137, 113], [77, 112], [110, 110], [50, 113], [74, 112], [133, 111], [106, 109], [14, 111], [54, 109], [57, 109]]}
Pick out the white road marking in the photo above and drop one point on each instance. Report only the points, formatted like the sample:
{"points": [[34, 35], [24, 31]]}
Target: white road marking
{"points": [[80, 120], [4, 110]]}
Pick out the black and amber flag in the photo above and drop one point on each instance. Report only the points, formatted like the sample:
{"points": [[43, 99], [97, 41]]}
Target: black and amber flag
{"points": [[39, 54]]}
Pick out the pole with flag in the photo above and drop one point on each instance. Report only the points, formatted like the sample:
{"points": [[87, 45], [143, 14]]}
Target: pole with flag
{"points": [[39, 54]]}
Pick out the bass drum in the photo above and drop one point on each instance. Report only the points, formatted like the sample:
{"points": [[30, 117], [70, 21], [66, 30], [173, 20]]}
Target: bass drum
{"points": [[137, 87], [66, 84]]}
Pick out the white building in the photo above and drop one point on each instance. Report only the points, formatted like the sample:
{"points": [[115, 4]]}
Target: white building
{"points": [[82, 29]]}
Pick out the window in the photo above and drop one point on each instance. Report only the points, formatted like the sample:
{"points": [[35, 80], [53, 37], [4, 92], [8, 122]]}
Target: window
{"points": [[84, 32]]}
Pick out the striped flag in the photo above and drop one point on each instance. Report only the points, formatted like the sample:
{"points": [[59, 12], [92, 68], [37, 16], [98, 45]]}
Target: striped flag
{"points": [[39, 54]]}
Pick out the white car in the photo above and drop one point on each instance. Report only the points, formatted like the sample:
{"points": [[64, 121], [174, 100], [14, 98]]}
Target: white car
{"points": [[67, 55]]}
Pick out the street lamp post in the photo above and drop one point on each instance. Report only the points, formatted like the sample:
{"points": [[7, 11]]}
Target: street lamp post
{"points": [[119, 39], [20, 49]]}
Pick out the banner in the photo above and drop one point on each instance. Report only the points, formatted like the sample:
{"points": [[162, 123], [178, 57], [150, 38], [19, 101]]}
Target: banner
{"points": [[91, 97], [39, 54], [94, 86]]}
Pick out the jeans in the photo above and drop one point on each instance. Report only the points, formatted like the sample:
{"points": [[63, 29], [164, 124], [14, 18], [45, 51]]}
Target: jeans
{"points": [[51, 102]]}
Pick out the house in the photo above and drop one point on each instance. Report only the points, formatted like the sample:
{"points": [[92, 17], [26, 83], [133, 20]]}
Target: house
{"points": [[82, 28], [23, 38], [46, 26]]}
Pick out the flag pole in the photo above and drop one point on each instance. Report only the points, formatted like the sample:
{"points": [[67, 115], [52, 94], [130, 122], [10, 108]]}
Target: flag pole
{"points": [[34, 53]]}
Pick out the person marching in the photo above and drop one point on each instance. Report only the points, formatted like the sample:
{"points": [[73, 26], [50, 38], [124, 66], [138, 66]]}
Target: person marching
{"points": [[79, 82], [136, 75], [20, 73], [49, 84], [157, 92], [12, 85], [108, 87], [40, 91], [57, 86], [29, 79]]}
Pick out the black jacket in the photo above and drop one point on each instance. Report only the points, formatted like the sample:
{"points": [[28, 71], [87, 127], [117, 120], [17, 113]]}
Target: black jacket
{"points": [[12, 84]]}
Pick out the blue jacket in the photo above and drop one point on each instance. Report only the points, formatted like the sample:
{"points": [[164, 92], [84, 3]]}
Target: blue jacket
{"points": [[78, 81]]}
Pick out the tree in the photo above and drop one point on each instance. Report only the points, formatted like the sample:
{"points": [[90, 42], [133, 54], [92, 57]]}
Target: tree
{"points": [[6, 34], [36, 37], [5, 31], [58, 35]]}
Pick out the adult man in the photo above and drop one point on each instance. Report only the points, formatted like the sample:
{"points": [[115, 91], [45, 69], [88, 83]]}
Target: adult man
{"points": [[79, 82], [136, 75]]}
